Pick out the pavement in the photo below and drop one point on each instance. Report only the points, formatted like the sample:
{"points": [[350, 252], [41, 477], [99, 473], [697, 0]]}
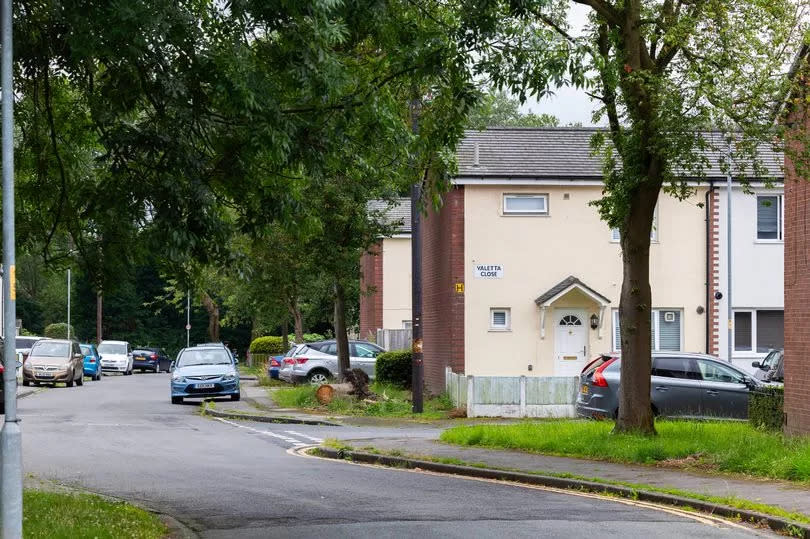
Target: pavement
{"points": [[122, 437], [789, 496]]}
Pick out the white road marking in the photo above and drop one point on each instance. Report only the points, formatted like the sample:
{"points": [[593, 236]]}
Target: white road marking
{"points": [[302, 435], [289, 439]]}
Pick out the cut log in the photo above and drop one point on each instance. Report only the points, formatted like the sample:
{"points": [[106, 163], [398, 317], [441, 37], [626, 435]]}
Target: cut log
{"points": [[327, 392]]}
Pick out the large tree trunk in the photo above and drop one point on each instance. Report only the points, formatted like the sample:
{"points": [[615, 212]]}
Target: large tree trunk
{"points": [[298, 320], [341, 336], [212, 309], [635, 312]]}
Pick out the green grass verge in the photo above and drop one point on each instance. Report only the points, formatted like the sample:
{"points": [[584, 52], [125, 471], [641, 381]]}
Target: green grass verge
{"points": [[79, 516], [727, 447], [393, 402], [730, 501]]}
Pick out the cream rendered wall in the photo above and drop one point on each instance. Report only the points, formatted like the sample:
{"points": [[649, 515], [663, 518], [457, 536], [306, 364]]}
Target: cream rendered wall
{"points": [[539, 252], [396, 281]]}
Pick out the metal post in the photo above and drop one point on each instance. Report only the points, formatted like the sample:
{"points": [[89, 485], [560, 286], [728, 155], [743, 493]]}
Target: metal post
{"points": [[188, 319], [729, 312], [418, 369], [11, 436], [68, 306]]}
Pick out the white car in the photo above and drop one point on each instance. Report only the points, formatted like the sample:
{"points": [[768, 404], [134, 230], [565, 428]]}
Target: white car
{"points": [[116, 356]]}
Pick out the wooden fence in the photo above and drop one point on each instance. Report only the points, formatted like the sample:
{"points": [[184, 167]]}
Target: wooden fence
{"points": [[513, 396], [395, 339]]}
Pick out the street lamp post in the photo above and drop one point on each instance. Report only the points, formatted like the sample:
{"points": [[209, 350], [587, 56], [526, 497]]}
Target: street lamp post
{"points": [[11, 435]]}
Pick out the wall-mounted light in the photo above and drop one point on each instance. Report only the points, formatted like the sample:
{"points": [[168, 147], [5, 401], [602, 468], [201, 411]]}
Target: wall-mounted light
{"points": [[594, 321]]}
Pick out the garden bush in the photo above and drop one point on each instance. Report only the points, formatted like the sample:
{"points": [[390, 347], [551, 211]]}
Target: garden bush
{"points": [[267, 345], [308, 337], [59, 331], [394, 368], [765, 408]]}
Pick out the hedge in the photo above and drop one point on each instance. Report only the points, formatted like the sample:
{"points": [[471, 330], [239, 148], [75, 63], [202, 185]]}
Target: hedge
{"points": [[394, 368], [308, 337], [59, 331], [765, 408], [267, 345]]}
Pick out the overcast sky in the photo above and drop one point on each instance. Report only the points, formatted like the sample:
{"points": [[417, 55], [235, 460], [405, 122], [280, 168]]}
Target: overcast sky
{"points": [[568, 104]]}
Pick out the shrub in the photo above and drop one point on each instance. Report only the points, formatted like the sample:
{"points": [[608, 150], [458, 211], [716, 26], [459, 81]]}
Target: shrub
{"points": [[267, 345], [394, 368], [308, 337], [765, 407], [59, 331]]}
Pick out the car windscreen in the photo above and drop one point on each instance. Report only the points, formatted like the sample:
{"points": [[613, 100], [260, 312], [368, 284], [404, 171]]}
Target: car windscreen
{"points": [[25, 342], [112, 348], [50, 349], [770, 360], [204, 356], [86, 350]]}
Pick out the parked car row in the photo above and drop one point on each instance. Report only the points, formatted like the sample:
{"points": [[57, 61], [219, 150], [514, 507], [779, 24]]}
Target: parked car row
{"points": [[682, 385], [317, 363]]}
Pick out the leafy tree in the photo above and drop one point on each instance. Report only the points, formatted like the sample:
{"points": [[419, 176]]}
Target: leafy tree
{"points": [[663, 72], [499, 109]]}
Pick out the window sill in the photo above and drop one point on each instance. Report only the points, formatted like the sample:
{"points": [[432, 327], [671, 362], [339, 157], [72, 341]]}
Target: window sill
{"points": [[652, 242], [525, 214], [770, 242], [500, 330]]}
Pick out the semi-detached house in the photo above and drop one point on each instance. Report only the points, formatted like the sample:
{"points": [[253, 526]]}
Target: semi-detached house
{"points": [[522, 277]]}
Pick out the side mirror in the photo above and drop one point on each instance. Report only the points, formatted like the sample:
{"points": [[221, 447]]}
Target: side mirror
{"points": [[171, 366], [236, 361], [78, 356], [756, 365], [750, 382]]}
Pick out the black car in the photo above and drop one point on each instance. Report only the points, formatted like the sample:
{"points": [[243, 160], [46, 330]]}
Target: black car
{"points": [[772, 368], [147, 358]]}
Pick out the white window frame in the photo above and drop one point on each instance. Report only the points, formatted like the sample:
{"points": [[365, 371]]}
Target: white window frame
{"points": [[543, 196], [507, 318], [655, 321], [615, 237], [407, 324], [753, 350], [780, 217]]}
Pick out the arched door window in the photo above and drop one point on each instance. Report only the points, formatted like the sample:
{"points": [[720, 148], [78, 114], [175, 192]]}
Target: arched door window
{"points": [[570, 320]]}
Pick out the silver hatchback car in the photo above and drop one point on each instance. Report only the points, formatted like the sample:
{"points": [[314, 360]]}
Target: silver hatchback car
{"points": [[683, 385], [316, 362]]}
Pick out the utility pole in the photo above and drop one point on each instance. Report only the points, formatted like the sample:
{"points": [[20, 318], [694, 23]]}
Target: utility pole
{"points": [[418, 368], [68, 306], [729, 313], [188, 319], [99, 313], [11, 436]]}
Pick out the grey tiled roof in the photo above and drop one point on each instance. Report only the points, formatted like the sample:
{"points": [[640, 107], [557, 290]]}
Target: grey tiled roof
{"points": [[399, 213], [561, 153], [562, 285]]}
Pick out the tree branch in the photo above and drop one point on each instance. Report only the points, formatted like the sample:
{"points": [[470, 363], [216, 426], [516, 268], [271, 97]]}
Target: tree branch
{"points": [[607, 11]]}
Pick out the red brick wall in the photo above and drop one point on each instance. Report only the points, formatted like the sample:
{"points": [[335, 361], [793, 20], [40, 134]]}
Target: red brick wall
{"points": [[442, 306], [797, 293], [371, 292], [712, 309]]}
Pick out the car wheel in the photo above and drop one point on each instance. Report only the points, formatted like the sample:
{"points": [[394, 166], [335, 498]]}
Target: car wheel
{"points": [[177, 400], [26, 383], [236, 396], [69, 383], [318, 378], [80, 380]]}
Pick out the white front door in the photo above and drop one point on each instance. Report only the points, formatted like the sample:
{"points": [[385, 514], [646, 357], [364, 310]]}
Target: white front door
{"points": [[570, 342]]}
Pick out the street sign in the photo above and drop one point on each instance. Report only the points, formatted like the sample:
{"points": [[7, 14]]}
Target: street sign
{"points": [[188, 327]]}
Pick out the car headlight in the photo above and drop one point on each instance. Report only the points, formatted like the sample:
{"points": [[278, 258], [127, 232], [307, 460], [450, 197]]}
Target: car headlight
{"points": [[176, 377], [229, 377]]}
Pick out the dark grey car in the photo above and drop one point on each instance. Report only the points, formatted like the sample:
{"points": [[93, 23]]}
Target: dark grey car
{"points": [[682, 385]]}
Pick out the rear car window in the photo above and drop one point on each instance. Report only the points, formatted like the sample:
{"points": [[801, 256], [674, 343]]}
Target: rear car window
{"points": [[675, 367], [596, 363], [86, 350]]}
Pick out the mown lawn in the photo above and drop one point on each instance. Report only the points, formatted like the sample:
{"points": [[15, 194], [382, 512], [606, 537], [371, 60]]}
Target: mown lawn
{"points": [[79, 516], [393, 402], [730, 447]]}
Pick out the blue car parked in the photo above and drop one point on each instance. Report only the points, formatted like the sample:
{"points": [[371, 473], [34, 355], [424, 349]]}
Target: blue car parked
{"points": [[92, 361], [204, 371]]}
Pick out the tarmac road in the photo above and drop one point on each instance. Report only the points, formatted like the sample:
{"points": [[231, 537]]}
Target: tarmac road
{"points": [[122, 437]]}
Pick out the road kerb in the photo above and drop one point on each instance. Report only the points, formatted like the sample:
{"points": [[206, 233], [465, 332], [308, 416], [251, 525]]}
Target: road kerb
{"points": [[266, 418], [782, 525]]}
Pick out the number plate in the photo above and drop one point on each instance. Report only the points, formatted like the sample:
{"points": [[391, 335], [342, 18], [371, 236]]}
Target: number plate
{"points": [[584, 389], [204, 386]]}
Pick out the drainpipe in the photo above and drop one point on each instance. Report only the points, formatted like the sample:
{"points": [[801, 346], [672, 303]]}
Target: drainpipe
{"points": [[709, 299]]}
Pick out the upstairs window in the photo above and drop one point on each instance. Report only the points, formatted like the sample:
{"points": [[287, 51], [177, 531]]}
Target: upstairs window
{"points": [[615, 236], [525, 204], [769, 217]]}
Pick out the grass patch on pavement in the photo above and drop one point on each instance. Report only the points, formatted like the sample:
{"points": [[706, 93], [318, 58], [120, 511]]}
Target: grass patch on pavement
{"points": [[79, 516], [392, 402], [729, 447]]}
